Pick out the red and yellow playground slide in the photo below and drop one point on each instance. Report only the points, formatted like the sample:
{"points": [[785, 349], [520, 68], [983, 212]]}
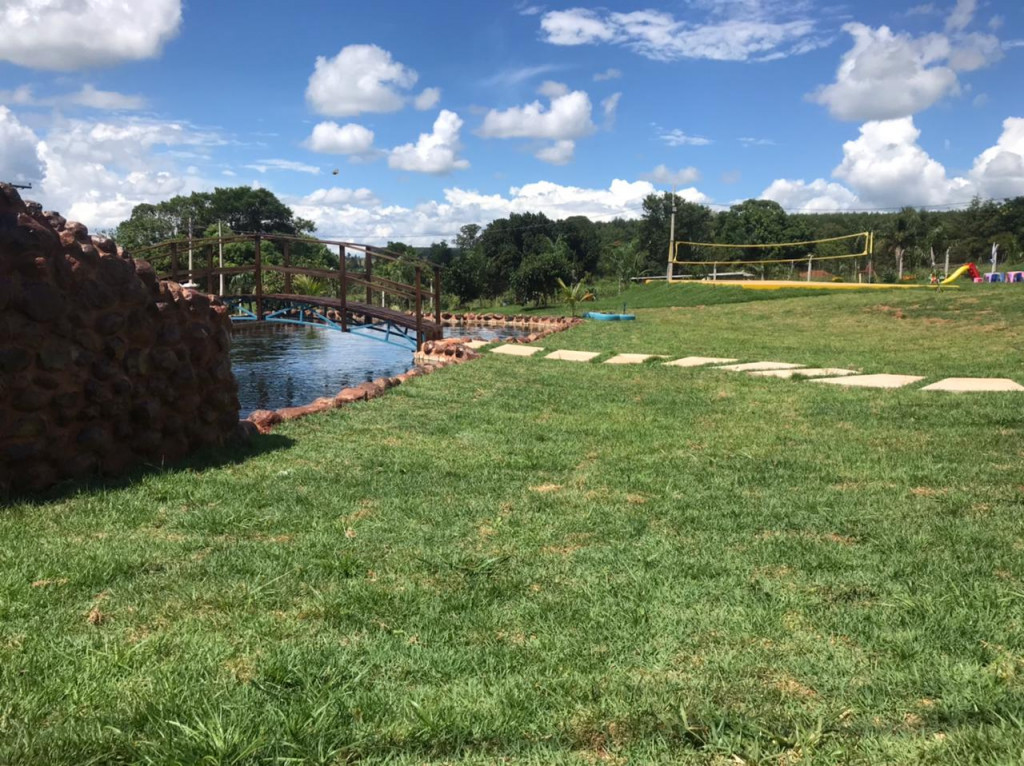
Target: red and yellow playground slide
{"points": [[968, 268]]}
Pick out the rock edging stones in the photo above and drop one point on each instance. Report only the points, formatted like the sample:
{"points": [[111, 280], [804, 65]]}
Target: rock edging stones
{"points": [[102, 366], [263, 421]]}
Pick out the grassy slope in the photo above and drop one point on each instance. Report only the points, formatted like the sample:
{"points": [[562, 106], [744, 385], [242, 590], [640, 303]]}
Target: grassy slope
{"points": [[973, 331], [512, 559]]}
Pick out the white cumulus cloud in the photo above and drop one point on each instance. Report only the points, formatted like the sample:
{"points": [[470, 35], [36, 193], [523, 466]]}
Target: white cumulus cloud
{"points": [[428, 99], [817, 196], [435, 152], [888, 75], [887, 167], [559, 153], [568, 117], [18, 159], [96, 172], [332, 138], [999, 170], [65, 35], [376, 223], [361, 78]]}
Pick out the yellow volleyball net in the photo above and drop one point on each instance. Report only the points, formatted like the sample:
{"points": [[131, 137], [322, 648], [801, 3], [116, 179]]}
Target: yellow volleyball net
{"points": [[841, 258]]}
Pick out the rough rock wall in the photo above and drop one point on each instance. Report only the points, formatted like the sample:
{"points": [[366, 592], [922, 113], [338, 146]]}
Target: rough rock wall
{"points": [[101, 365]]}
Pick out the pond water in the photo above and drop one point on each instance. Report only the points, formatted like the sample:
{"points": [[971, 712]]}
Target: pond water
{"points": [[279, 365]]}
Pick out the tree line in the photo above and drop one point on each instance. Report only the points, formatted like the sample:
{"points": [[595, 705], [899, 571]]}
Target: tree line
{"points": [[521, 258]]}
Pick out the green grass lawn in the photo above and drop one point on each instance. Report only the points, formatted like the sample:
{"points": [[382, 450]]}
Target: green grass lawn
{"points": [[528, 561], [978, 330]]}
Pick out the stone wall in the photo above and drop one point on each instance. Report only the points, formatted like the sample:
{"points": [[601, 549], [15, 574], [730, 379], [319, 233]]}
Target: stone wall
{"points": [[101, 365]]}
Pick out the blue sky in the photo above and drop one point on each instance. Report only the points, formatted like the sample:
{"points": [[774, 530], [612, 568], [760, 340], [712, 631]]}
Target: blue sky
{"points": [[436, 114]]}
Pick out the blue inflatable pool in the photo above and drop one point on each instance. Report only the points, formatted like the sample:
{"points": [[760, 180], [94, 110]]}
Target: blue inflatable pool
{"points": [[608, 317]]}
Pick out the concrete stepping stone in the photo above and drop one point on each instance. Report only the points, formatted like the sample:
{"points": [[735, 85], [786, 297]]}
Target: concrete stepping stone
{"points": [[752, 366], [477, 344], [630, 358], [872, 381], [697, 361], [804, 372], [964, 385], [511, 349], [572, 356]]}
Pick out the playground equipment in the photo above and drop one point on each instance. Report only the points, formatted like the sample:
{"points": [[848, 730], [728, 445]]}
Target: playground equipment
{"points": [[967, 268]]}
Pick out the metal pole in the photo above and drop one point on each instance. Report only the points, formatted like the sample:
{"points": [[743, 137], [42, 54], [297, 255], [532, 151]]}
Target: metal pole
{"points": [[191, 282], [946, 270], [809, 259], [220, 257], [671, 238]]}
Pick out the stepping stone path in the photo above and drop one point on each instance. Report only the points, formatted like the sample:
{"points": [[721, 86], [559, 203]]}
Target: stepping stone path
{"points": [[630, 359], [786, 370], [975, 384], [510, 349], [698, 361], [757, 366], [872, 381], [572, 356], [478, 344], [803, 372]]}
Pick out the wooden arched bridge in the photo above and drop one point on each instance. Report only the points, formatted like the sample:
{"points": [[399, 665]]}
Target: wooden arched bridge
{"points": [[403, 307]]}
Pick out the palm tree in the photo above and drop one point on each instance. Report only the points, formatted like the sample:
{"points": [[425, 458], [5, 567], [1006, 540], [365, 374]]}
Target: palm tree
{"points": [[303, 284], [573, 295]]}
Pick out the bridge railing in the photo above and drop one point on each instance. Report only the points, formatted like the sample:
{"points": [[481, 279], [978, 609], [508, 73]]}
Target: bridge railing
{"points": [[364, 274]]}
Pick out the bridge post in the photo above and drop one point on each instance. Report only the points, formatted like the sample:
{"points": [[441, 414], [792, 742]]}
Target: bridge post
{"points": [[174, 261], [369, 277], [437, 294], [259, 279], [419, 308], [286, 247], [209, 271], [343, 288]]}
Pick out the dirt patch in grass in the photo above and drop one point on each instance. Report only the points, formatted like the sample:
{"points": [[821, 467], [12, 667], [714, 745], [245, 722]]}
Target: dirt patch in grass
{"points": [[545, 489], [47, 583], [793, 688], [927, 491], [96, 616], [831, 537]]}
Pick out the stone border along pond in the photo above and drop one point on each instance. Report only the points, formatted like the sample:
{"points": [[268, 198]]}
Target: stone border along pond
{"points": [[432, 355]]}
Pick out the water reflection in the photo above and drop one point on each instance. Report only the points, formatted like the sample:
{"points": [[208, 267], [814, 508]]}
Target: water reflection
{"points": [[279, 365]]}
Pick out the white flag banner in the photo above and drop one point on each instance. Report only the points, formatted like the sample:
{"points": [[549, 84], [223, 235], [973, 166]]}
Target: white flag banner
{"points": [[995, 255]]}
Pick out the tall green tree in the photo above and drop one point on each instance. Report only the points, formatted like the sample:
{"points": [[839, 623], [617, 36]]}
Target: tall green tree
{"points": [[241, 209], [693, 223]]}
